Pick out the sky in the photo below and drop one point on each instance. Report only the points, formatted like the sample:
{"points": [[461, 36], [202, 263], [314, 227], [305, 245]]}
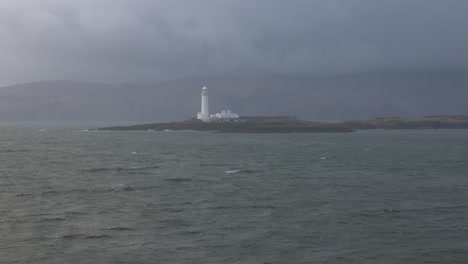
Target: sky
{"points": [[149, 41]]}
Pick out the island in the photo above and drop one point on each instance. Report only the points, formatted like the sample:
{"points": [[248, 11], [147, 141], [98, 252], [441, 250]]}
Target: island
{"points": [[253, 124], [229, 122], [288, 124]]}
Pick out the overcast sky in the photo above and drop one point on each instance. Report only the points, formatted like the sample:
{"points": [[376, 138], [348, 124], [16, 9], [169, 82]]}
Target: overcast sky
{"points": [[146, 41]]}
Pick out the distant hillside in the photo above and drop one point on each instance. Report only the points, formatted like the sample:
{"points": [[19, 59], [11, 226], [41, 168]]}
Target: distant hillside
{"points": [[360, 96]]}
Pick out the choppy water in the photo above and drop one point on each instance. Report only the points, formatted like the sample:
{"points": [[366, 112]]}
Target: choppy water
{"points": [[70, 196]]}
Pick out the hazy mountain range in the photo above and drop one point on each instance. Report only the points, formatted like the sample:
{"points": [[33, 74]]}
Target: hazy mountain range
{"points": [[357, 96]]}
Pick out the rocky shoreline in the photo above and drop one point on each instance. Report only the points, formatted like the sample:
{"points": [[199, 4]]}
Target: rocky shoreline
{"points": [[243, 125]]}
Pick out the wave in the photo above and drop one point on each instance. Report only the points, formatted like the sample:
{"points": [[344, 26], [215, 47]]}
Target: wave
{"points": [[118, 228], [14, 150], [50, 193], [120, 187], [178, 180], [243, 207], [104, 169], [381, 212], [123, 187], [83, 236], [24, 195], [212, 164], [97, 236], [73, 213], [52, 219], [232, 171], [239, 171]]}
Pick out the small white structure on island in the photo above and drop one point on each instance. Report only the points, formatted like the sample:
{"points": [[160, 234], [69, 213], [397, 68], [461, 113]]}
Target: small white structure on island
{"points": [[225, 114], [205, 116]]}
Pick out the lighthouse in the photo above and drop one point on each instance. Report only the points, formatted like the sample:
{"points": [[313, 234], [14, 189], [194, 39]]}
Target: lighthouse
{"points": [[204, 115]]}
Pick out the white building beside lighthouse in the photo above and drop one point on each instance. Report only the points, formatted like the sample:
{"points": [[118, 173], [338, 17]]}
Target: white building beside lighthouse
{"points": [[205, 116]]}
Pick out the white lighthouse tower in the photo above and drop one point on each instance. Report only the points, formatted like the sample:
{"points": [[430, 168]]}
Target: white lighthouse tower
{"points": [[204, 115]]}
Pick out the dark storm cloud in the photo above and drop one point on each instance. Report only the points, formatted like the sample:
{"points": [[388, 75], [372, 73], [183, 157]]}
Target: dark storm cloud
{"points": [[147, 41]]}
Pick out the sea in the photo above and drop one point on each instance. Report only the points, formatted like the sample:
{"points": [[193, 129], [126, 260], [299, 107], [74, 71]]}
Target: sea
{"points": [[68, 195]]}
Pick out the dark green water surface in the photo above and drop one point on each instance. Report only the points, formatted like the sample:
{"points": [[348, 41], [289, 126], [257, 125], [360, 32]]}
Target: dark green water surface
{"points": [[70, 196]]}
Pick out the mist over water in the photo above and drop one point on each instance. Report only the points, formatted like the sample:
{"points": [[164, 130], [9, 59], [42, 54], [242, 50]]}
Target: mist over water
{"points": [[72, 196]]}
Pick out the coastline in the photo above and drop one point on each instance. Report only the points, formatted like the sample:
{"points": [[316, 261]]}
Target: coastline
{"points": [[285, 124], [243, 125]]}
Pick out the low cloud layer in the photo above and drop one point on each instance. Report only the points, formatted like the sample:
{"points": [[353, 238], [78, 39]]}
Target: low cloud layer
{"points": [[146, 41]]}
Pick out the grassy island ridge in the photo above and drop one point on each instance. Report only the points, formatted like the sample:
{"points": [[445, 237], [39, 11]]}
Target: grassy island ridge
{"points": [[268, 124], [286, 124], [425, 122]]}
